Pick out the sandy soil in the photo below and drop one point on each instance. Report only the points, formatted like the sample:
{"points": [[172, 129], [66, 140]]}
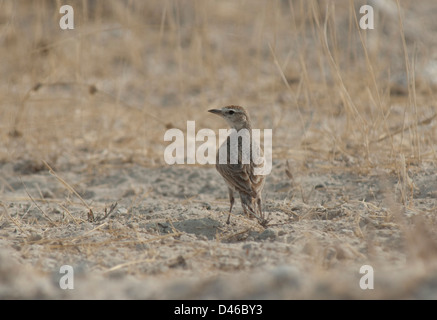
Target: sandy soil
{"points": [[354, 179], [167, 237]]}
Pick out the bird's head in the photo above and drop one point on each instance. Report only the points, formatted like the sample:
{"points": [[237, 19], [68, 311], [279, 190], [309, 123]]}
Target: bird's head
{"points": [[235, 116]]}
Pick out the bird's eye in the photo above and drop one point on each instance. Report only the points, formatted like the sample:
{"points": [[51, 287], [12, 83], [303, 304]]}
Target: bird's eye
{"points": [[231, 112]]}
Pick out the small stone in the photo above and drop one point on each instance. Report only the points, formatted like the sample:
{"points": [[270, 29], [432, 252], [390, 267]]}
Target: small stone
{"points": [[179, 263], [247, 246], [285, 274], [129, 193], [122, 210], [267, 234], [34, 237], [185, 237]]}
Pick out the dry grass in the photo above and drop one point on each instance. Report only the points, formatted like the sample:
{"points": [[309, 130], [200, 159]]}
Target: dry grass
{"points": [[341, 101], [128, 70]]}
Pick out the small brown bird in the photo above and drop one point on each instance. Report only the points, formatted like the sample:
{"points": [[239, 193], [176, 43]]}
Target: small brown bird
{"points": [[239, 175]]}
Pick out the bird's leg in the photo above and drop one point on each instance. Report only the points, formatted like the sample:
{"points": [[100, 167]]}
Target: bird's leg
{"points": [[232, 200], [246, 211], [263, 220], [246, 208], [258, 204]]}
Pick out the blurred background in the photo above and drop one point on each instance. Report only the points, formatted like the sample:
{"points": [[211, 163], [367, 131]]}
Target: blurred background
{"points": [[353, 114], [132, 69]]}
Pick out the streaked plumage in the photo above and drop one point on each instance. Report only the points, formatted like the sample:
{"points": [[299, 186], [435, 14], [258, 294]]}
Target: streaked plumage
{"points": [[240, 177]]}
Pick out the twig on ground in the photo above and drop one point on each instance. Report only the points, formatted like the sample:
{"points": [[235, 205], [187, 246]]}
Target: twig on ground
{"points": [[71, 189], [34, 202], [108, 213], [17, 224]]}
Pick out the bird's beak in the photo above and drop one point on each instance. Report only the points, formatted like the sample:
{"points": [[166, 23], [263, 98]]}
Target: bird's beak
{"points": [[215, 111]]}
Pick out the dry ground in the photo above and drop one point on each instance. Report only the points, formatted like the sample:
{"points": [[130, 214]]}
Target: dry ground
{"points": [[83, 114]]}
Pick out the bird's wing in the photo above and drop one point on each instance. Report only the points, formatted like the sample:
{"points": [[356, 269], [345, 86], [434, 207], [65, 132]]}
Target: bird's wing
{"points": [[241, 176], [238, 177]]}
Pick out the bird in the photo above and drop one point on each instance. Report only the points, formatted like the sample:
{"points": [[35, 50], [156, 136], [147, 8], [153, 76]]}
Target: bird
{"points": [[240, 174]]}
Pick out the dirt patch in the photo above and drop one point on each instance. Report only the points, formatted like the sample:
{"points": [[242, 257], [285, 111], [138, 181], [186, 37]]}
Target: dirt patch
{"points": [[158, 238]]}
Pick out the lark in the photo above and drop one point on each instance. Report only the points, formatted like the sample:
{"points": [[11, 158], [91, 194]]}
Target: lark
{"points": [[239, 172]]}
